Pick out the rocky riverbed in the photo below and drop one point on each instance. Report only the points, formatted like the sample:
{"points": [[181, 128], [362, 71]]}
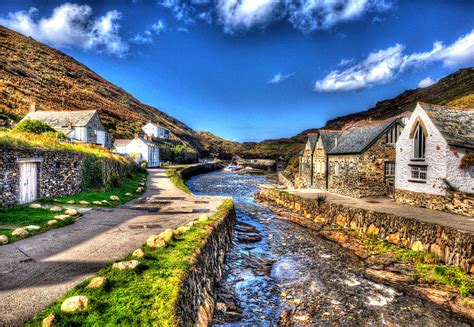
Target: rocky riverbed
{"points": [[278, 272]]}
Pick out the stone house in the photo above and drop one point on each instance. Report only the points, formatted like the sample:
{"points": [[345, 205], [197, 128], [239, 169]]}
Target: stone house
{"points": [[431, 171], [156, 131], [30, 174], [81, 125], [140, 149], [357, 161], [306, 162]]}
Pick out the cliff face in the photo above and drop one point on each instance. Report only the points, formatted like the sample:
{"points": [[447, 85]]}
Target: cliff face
{"points": [[32, 72]]}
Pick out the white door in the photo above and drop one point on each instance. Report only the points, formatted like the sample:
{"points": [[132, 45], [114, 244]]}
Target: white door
{"points": [[28, 182], [101, 137]]}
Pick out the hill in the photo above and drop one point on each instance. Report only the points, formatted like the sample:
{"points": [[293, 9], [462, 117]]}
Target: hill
{"points": [[32, 72]]}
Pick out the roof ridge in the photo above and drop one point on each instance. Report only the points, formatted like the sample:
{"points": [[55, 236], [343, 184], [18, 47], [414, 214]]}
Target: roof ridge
{"points": [[441, 106], [331, 130]]}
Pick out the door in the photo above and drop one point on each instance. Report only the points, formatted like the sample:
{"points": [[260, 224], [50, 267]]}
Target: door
{"points": [[101, 138], [28, 182]]}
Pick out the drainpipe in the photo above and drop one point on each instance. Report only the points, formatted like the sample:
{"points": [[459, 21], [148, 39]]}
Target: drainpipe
{"points": [[326, 172]]}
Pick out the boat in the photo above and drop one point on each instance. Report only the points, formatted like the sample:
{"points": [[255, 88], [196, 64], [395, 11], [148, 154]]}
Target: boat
{"points": [[232, 168]]}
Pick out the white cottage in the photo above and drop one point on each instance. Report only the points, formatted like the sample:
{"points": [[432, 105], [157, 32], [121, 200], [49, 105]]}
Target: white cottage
{"points": [[430, 170], [157, 131], [140, 150]]}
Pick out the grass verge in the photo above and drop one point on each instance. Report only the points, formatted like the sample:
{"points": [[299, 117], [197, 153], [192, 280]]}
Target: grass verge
{"points": [[426, 265], [176, 178], [143, 297], [23, 215]]}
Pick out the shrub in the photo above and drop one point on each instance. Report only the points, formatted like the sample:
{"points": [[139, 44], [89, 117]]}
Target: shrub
{"points": [[33, 126], [467, 160], [320, 199]]}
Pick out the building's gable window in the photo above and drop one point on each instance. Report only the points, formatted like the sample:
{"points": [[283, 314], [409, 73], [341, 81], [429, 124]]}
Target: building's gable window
{"points": [[419, 143], [336, 169], [392, 135], [319, 144], [389, 169], [418, 173]]}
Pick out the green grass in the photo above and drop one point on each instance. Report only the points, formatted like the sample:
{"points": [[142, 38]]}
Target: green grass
{"points": [[174, 175], [23, 215], [144, 297], [128, 185], [426, 264]]}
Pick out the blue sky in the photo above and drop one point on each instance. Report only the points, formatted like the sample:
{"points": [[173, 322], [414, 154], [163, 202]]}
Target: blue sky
{"points": [[249, 70]]}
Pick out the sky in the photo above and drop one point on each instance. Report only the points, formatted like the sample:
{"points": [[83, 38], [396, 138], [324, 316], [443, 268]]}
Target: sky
{"points": [[249, 70]]}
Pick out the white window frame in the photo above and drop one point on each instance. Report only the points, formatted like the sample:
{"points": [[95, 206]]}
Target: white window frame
{"points": [[418, 173], [419, 139], [390, 168]]}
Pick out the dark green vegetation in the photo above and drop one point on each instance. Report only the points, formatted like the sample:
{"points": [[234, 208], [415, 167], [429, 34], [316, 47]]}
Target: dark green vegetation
{"points": [[144, 297], [177, 179], [426, 265], [176, 152], [23, 215], [33, 126]]}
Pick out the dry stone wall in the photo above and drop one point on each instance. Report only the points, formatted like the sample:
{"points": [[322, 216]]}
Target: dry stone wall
{"points": [[454, 202], [195, 304], [453, 247], [59, 173]]}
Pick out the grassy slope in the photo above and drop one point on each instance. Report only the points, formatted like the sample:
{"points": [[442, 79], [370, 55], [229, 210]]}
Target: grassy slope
{"points": [[143, 297]]}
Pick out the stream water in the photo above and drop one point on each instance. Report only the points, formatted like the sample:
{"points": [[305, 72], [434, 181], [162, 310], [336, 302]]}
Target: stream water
{"points": [[278, 271]]}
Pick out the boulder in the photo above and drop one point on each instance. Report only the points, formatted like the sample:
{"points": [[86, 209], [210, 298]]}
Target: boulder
{"points": [[32, 227], [3, 239], [62, 217], [417, 246], [139, 189], [126, 265], [52, 222], [104, 201], [167, 235], [56, 209], [35, 205], [138, 253], [71, 202], [128, 194], [114, 198], [20, 232], [97, 282], [97, 203], [76, 303], [84, 202], [182, 229], [49, 321], [71, 212], [155, 241], [203, 218]]}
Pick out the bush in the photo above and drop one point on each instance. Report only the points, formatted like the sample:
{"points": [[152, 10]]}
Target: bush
{"points": [[33, 126]]}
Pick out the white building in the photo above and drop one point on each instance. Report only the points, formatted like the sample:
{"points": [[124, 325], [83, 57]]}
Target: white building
{"points": [[140, 150], [429, 156], [156, 131]]}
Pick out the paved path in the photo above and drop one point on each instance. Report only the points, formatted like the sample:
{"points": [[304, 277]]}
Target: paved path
{"points": [[388, 205], [36, 271]]}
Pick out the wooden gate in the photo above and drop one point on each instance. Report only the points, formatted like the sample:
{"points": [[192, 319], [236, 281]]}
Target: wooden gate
{"points": [[28, 182]]}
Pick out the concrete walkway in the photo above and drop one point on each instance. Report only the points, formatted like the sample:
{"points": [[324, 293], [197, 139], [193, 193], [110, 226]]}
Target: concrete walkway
{"points": [[388, 205], [36, 271]]}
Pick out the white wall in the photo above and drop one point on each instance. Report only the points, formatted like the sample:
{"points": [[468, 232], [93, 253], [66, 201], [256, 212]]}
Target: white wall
{"points": [[436, 157], [460, 179], [150, 130]]}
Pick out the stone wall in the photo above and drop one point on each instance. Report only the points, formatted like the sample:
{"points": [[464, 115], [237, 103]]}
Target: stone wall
{"points": [[200, 169], [454, 202], [195, 304], [361, 175], [453, 247], [319, 169], [284, 179], [305, 169], [96, 125], [59, 173]]}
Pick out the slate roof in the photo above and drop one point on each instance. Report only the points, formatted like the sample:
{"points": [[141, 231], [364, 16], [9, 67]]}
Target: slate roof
{"points": [[121, 142], [356, 140], [312, 138], [455, 124], [61, 120], [328, 138]]}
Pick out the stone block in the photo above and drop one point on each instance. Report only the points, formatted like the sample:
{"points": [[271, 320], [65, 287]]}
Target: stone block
{"points": [[74, 304]]}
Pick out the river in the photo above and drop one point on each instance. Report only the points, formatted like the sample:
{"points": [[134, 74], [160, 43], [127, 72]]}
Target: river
{"points": [[279, 271]]}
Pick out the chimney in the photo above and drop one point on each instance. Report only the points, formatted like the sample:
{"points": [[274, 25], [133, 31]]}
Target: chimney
{"points": [[135, 136], [33, 107]]}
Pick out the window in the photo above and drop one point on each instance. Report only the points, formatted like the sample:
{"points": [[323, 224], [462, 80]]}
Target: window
{"points": [[419, 143], [336, 169], [418, 173], [392, 135], [389, 169], [318, 166], [319, 144]]}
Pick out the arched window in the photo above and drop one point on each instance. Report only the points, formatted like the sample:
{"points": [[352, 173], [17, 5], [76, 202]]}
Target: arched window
{"points": [[419, 143]]}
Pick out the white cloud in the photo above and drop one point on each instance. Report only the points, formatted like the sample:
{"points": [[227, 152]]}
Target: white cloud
{"points": [[206, 17], [280, 77], [181, 10], [243, 14], [147, 36], [384, 65], [426, 82], [71, 25]]}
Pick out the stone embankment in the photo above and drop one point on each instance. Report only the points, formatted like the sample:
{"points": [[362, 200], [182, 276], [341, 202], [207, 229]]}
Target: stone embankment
{"points": [[451, 246], [196, 300], [201, 168]]}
